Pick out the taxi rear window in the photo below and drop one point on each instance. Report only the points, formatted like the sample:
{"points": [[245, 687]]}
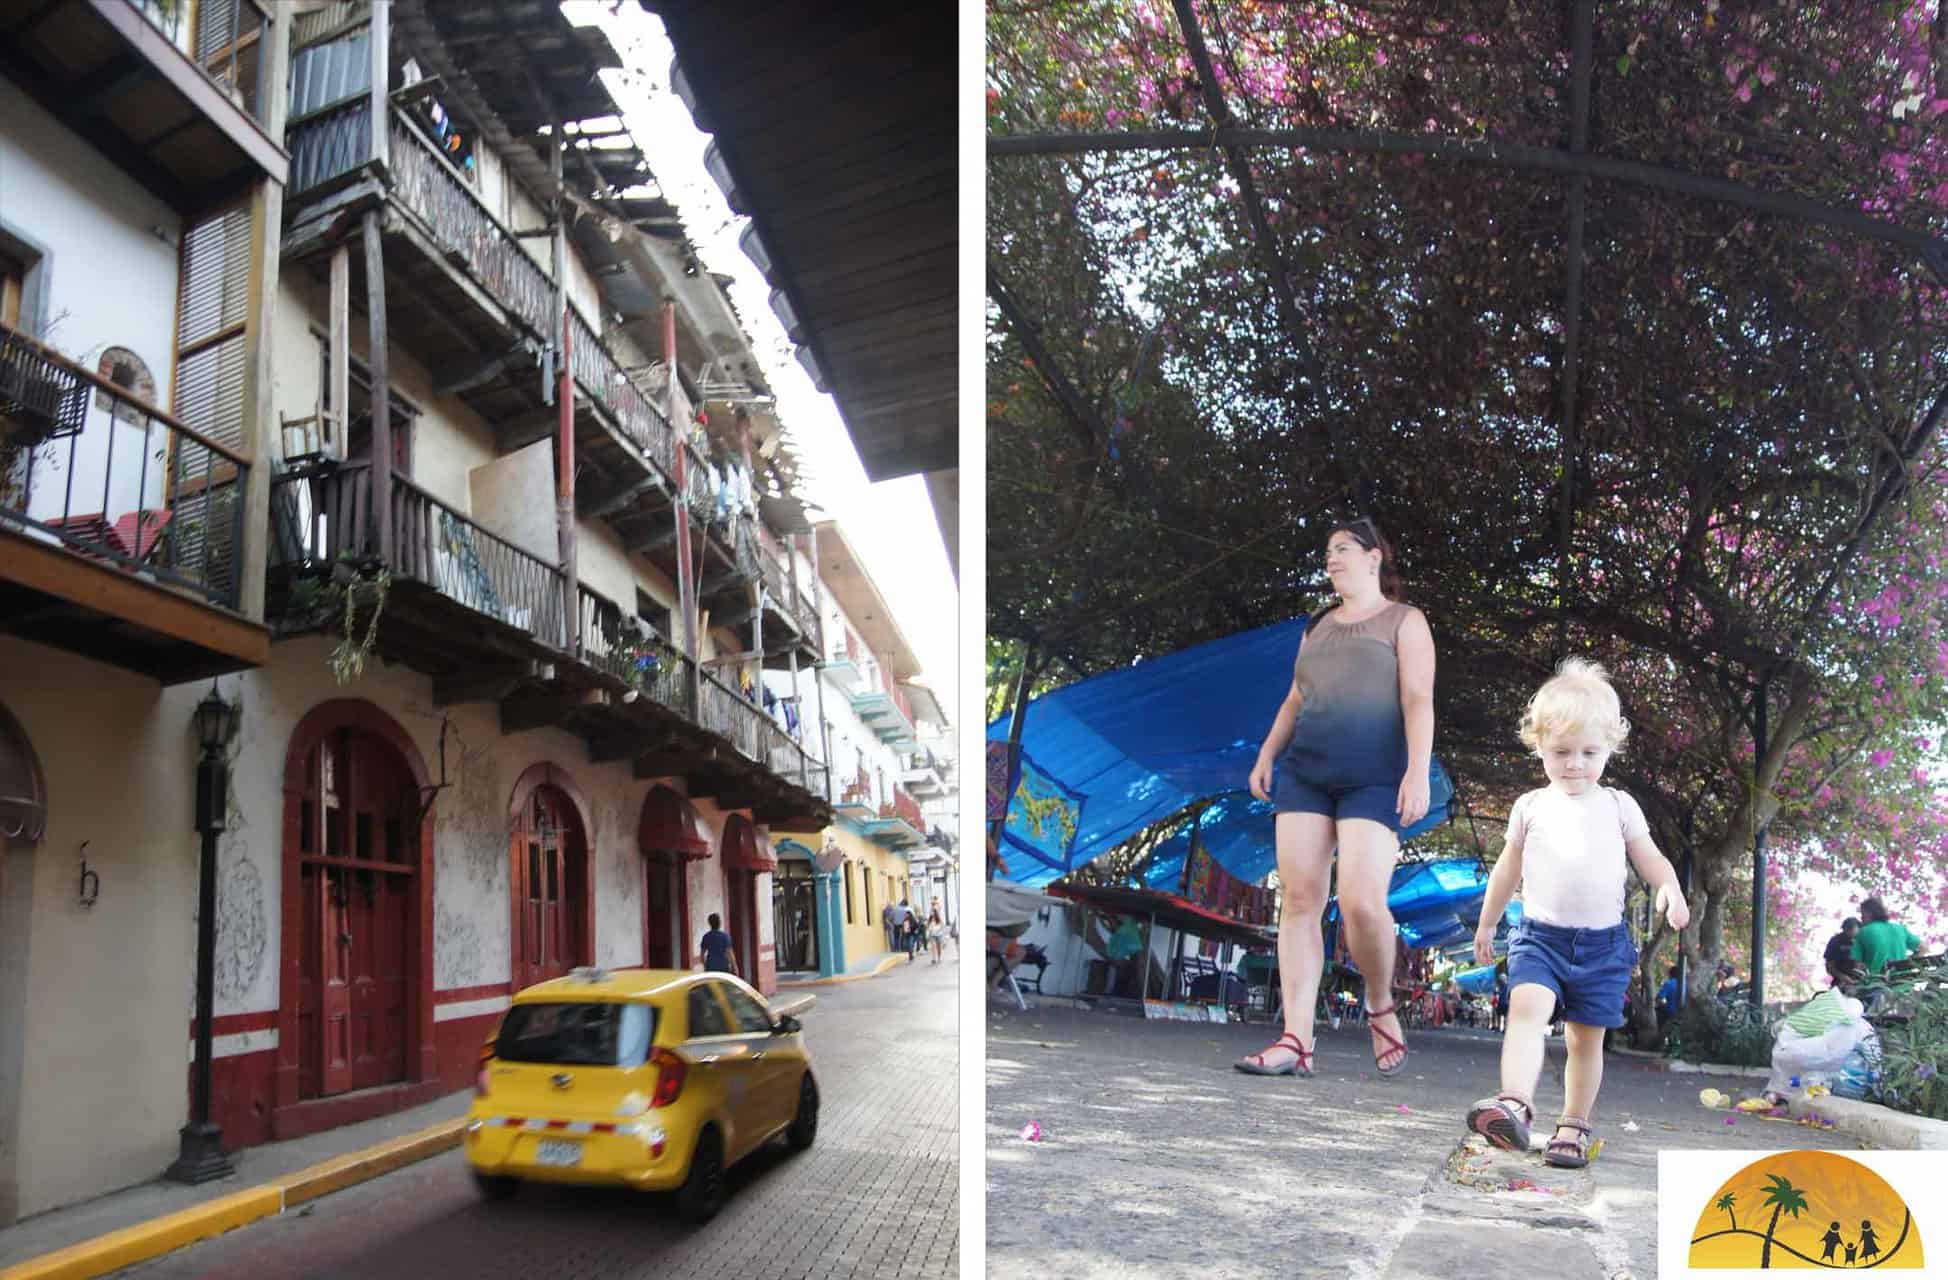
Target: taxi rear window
{"points": [[592, 1034]]}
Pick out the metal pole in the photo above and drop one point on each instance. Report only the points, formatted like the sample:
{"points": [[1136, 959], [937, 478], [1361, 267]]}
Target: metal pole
{"points": [[1758, 847], [200, 1155], [1148, 933], [1028, 658]]}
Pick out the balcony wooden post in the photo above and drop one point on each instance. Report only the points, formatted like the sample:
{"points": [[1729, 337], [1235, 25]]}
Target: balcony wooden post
{"points": [[686, 583], [565, 405], [259, 394], [381, 76], [375, 310], [339, 395]]}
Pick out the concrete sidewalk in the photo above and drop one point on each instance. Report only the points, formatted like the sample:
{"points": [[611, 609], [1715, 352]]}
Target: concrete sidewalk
{"points": [[112, 1231], [1146, 1125], [869, 967]]}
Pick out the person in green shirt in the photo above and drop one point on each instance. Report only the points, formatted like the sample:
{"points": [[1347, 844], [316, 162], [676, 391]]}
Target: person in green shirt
{"points": [[1880, 941]]}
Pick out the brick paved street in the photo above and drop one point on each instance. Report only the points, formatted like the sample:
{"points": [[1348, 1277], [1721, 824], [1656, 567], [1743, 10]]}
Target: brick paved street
{"points": [[878, 1195], [1158, 1159]]}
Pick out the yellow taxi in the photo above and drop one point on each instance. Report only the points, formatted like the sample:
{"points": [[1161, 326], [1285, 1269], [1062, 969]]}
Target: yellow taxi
{"points": [[655, 1079]]}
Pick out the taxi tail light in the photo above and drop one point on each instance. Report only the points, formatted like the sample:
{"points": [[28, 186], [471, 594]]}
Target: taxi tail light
{"points": [[480, 1081], [670, 1070]]}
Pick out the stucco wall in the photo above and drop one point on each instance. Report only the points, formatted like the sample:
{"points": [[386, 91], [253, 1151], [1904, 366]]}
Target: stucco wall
{"points": [[106, 992], [107, 278]]}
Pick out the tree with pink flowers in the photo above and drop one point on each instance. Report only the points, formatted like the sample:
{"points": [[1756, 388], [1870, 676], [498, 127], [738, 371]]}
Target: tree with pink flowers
{"points": [[1723, 470]]}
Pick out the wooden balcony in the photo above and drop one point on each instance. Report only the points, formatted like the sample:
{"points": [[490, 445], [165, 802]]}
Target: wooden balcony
{"points": [[487, 621], [466, 297], [121, 527], [900, 824], [187, 128]]}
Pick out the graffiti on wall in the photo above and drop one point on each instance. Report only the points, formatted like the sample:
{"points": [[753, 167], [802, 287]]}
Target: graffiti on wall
{"points": [[242, 925]]}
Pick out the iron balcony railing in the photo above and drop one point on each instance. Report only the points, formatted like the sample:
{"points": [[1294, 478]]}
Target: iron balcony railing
{"points": [[756, 736], [322, 516], [603, 381], [906, 808], [87, 465]]}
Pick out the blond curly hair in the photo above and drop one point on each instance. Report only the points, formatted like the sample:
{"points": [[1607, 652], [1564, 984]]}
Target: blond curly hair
{"points": [[1577, 697]]}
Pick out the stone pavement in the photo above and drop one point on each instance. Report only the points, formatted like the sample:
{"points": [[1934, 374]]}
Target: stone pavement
{"points": [[1157, 1158], [877, 1195]]}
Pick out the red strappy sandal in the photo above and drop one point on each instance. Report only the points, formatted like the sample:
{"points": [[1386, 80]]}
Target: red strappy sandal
{"points": [[1572, 1152], [1301, 1064], [1389, 1060]]}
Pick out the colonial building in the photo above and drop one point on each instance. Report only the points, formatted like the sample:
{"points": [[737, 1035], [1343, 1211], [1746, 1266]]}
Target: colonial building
{"points": [[361, 369], [833, 883]]}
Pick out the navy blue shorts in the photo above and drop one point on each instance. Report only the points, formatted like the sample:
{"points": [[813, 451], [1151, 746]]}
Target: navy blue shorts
{"points": [[1588, 969], [1377, 804]]}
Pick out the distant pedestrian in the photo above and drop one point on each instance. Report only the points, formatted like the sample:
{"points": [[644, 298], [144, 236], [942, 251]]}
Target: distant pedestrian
{"points": [[719, 954], [1570, 847], [903, 927], [1670, 997], [911, 935], [936, 935], [1881, 941], [889, 920]]}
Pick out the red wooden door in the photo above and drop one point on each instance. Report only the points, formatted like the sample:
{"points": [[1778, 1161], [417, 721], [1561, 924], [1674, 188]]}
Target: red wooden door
{"points": [[551, 887], [665, 929], [359, 887]]}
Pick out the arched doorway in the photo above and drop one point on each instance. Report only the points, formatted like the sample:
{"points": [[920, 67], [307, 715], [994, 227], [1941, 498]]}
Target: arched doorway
{"points": [[670, 840], [794, 909], [553, 923], [744, 861], [355, 946]]}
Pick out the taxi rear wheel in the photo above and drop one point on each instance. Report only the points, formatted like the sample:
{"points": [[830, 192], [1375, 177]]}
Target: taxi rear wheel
{"points": [[702, 1193], [495, 1188], [804, 1123]]}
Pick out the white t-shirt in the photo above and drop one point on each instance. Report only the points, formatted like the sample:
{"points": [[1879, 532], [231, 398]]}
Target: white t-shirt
{"points": [[1573, 863]]}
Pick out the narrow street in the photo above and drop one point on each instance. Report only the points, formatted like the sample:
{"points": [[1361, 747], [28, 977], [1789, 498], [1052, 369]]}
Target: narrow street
{"points": [[878, 1194], [1154, 1155]]}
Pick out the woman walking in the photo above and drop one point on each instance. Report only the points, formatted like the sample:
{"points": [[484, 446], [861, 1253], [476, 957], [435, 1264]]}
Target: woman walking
{"points": [[936, 934], [1352, 743]]}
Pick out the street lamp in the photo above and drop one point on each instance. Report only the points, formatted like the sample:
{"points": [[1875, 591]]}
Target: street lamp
{"points": [[200, 1157]]}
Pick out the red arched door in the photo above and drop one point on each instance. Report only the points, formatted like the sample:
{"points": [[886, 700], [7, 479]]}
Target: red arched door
{"points": [[550, 886], [358, 854], [668, 839]]}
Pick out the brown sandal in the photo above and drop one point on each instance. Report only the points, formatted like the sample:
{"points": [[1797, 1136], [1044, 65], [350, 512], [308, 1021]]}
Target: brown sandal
{"points": [[1570, 1153], [1496, 1120], [1301, 1064], [1396, 1050]]}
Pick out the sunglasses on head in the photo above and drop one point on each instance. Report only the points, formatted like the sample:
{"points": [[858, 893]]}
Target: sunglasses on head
{"points": [[1362, 530]]}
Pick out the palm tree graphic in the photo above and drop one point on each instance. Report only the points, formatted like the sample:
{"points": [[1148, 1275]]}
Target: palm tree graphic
{"points": [[1725, 1203], [1784, 1198]]}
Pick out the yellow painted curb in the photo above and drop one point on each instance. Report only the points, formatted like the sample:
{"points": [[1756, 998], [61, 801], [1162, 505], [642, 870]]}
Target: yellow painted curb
{"points": [[158, 1236], [150, 1239], [882, 967], [343, 1171]]}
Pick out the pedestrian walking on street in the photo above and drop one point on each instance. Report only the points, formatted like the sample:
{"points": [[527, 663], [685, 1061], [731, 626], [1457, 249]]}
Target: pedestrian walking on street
{"points": [[889, 918], [936, 935], [1567, 847], [911, 934], [1350, 749], [719, 955]]}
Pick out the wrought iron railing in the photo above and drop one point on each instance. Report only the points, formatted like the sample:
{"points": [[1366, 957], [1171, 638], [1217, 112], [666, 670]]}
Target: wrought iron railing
{"points": [[85, 464], [425, 183], [603, 381], [756, 736], [626, 648], [438, 546], [905, 807]]}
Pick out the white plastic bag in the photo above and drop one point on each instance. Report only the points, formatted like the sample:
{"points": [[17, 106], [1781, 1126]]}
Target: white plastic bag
{"points": [[1815, 1059]]}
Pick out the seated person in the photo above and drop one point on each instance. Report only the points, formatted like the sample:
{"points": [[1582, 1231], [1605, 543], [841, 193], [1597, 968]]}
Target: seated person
{"points": [[1881, 941], [1841, 967]]}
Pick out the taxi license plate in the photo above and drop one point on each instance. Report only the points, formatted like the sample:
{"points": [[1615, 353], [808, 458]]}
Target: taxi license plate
{"points": [[557, 1154]]}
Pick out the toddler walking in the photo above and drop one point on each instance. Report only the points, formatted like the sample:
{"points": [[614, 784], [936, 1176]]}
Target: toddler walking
{"points": [[1566, 846]]}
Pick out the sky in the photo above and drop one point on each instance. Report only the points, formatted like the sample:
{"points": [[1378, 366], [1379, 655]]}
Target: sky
{"points": [[892, 523]]}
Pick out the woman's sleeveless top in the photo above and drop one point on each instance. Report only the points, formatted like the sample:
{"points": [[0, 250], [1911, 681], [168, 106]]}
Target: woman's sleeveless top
{"points": [[1350, 731]]}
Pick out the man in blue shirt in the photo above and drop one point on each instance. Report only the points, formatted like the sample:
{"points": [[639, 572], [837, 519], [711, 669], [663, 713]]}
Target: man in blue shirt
{"points": [[1670, 998], [718, 954]]}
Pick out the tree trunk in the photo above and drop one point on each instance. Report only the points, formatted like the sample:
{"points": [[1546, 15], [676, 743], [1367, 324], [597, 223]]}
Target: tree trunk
{"points": [[1765, 1256]]}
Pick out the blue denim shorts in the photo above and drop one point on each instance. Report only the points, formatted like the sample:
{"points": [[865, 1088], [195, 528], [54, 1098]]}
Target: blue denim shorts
{"points": [[1588, 969], [1376, 804]]}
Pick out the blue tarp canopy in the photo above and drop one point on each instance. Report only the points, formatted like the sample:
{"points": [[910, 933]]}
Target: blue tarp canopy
{"points": [[1108, 756], [1476, 982]]}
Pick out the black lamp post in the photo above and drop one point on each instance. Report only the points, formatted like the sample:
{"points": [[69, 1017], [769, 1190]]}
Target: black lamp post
{"points": [[201, 1158]]}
